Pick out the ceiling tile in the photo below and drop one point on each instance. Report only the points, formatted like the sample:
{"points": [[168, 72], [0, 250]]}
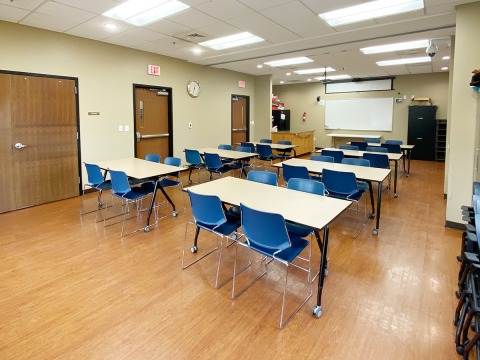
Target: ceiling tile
{"points": [[124, 40], [65, 12], [172, 42], [193, 3], [311, 24], [95, 6], [24, 4], [397, 70], [355, 26], [276, 34], [320, 7], [420, 69], [89, 32], [9, 13], [220, 30], [224, 9], [152, 47], [251, 22], [144, 34], [440, 9], [100, 21], [193, 19], [400, 17], [287, 12], [48, 22], [264, 4], [167, 27]]}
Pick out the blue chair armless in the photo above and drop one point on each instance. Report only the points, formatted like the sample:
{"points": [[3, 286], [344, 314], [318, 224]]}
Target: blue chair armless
{"points": [[348, 147], [337, 155], [96, 182]]}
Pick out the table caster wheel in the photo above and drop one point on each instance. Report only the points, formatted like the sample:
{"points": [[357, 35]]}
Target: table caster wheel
{"points": [[459, 258], [234, 237], [371, 216], [146, 229], [408, 175], [194, 249], [326, 272], [175, 213], [455, 322], [460, 349], [458, 294], [375, 232], [395, 195], [317, 311], [100, 203]]}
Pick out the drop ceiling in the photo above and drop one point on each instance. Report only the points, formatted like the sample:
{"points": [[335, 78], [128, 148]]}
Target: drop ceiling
{"points": [[290, 29]]}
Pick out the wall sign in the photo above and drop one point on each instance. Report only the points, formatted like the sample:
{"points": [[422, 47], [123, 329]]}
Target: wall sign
{"points": [[153, 70], [241, 84]]}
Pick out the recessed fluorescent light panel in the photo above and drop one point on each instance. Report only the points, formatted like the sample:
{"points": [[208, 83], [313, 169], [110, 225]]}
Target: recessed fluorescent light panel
{"points": [[232, 41], [370, 10], [405, 61], [446, 58], [294, 61], [418, 44], [334, 77], [445, 68], [141, 12], [313, 71]]}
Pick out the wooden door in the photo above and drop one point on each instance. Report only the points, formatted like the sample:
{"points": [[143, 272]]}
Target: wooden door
{"points": [[239, 120], [151, 123], [44, 120]]}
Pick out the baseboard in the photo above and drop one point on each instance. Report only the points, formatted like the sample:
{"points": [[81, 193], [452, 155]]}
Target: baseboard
{"points": [[444, 196], [454, 225]]}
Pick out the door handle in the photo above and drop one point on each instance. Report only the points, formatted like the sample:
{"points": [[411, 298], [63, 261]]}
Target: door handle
{"points": [[245, 129], [19, 146], [419, 138], [139, 137]]}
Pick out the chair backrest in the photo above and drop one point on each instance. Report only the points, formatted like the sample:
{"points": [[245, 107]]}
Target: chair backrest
{"points": [[119, 181], [348, 147], [265, 141], [322, 158], [263, 177], [264, 150], [339, 182], [308, 186], [192, 157], [394, 142], [153, 158], [212, 161], [263, 229], [362, 146], [94, 174], [337, 155], [377, 149], [377, 160], [476, 209], [245, 149], [392, 148], [284, 142], [249, 145], [207, 209], [357, 162], [173, 161], [372, 141], [225, 147], [294, 172]]}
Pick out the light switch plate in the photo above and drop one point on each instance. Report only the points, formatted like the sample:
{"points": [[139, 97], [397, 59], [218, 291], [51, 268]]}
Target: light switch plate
{"points": [[127, 128], [189, 125], [120, 128], [252, 122]]}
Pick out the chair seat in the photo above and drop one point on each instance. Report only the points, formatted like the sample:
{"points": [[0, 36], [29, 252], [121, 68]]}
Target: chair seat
{"points": [[316, 178], [165, 182], [197, 166], [267, 158], [226, 161], [235, 211], [363, 187], [106, 185], [354, 197], [289, 254], [298, 230], [134, 193], [283, 156], [221, 170], [236, 166], [232, 224]]}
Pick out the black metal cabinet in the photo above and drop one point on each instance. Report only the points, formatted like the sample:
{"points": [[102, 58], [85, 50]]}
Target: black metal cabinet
{"points": [[281, 124], [422, 130]]}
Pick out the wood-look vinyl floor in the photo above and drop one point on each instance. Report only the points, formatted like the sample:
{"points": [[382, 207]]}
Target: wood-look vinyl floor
{"points": [[72, 289]]}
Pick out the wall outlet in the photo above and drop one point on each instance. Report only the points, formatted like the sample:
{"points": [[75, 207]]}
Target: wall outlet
{"points": [[189, 125], [120, 128], [405, 97], [252, 122], [127, 128], [313, 139]]}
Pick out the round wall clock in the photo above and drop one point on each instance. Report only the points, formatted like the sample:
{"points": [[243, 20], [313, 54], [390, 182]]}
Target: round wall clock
{"points": [[193, 88]]}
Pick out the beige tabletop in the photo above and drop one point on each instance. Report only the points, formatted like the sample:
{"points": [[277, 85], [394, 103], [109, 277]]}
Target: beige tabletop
{"points": [[403, 147], [227, 154], [361, 172], [273, 146], [311, 210], [357, 153], [138, 168]]}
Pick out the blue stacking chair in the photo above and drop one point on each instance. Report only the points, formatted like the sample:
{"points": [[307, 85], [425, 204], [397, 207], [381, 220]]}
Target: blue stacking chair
{"points": [[265, 154], [322, 158], [122, 190], [96, 182], [194, 162], [263, 177], [149, 157], [265, 141], [380, 161], [343, 185], [377, 149], [362, 146], [358, 162], [214, 165], [294, 172], [392, 148], [237, 165], [153, 158], [336, 154], [226, 147], [285, 154], [252, 149], [208, 215], [372, 141], [395, 142], [348, 147], [273, 243]]}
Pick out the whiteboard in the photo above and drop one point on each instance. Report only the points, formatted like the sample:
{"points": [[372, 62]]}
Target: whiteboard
{"points": [[359, 114]]}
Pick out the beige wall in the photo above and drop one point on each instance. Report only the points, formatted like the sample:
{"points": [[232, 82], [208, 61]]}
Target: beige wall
{"points": [[263, 110], [449, 115], [106, 74], [461, 169], [300, 98]]}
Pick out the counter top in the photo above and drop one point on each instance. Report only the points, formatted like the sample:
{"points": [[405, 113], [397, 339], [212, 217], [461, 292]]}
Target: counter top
{"points": [[292, 132]]}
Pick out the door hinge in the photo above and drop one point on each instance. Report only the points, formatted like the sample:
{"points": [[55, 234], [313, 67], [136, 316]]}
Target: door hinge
{"points": [[79, 181], [76, 91], [77, 135]]}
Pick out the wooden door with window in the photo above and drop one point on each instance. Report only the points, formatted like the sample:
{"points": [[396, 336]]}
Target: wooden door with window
{"points": [[39, 141], [239, 120], [152, 133]]}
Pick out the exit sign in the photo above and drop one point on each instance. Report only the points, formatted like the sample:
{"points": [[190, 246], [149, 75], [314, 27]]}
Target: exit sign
{"points": [[241, 84], [153, 70]]}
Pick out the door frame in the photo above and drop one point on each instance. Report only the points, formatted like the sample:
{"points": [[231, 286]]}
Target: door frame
{"points": [[231, 116], [77, 109], [170, 114]]}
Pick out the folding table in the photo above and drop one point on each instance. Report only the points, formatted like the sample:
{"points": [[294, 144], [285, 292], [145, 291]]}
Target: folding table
{"points": [[278, 147]]}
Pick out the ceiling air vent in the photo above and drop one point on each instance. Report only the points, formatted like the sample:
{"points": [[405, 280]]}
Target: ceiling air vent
{"points": [[195, 35]]}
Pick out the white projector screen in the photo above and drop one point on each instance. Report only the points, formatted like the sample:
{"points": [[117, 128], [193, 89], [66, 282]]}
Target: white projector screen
{"points": [[359, 114]]}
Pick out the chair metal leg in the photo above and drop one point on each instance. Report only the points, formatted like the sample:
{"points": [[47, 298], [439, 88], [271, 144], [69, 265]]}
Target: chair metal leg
{"points": [[184, 246], [235, 274]]}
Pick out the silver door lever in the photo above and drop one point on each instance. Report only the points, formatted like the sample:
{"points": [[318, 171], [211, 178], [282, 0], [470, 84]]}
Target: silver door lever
{"points": [[20, 145]]}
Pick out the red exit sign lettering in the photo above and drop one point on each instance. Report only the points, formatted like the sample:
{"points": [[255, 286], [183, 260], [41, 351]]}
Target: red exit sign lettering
{"points": [[241, 84], [153, 70]]}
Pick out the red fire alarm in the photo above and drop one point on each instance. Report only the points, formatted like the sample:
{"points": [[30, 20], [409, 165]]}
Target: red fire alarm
{"points": [[241, 84], [304, 115]]}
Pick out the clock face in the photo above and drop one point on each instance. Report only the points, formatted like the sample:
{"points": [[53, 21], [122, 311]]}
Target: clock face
{"points": [[193, 88]]}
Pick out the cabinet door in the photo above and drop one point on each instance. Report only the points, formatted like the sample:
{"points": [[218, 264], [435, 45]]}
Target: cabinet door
{"points": [[422, 131]]}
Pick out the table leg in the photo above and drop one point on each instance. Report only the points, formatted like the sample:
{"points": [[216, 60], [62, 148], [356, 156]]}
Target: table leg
{"points": [[404, 155], [395, 181], [152, 204], [295, 152], [100, 192], [409, 156], [379, 202], [243, 170], [317, 310], [372, 214]]}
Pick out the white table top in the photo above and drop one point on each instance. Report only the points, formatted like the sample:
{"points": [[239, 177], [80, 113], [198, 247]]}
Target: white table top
{"points": [[356, 136], [138, 168], [403, 147], [273, 146], [361, 172], [311, 210], [358, 153], [227, 154]]}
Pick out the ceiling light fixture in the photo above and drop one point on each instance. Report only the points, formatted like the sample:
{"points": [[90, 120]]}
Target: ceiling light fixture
{"points": [[334, 77], [197, 50], [404, 61], [370, 10], [227, 42], [446, 58], [259, 66], [141, 12], [288, 74], [444, 68], [418, 44], [281, 82], [111, 26], [313, 71], [294, 61], [309, 79]]}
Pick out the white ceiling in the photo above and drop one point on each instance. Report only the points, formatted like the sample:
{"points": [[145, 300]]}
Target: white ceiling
{"points": [[290, 29]]}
